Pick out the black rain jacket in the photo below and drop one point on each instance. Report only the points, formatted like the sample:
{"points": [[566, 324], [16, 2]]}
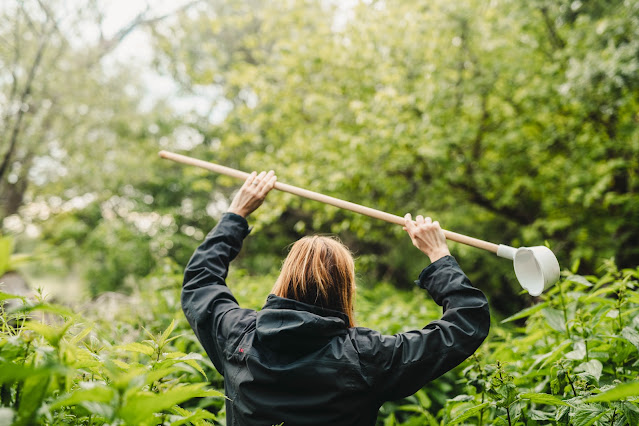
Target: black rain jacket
{"points": [[300, 364]]}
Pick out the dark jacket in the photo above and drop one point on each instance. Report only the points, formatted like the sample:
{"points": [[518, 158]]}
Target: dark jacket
{"points": [[300, 364]]}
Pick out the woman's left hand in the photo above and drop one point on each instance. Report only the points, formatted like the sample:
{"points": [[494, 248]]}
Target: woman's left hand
{"points": [[252, 194]]}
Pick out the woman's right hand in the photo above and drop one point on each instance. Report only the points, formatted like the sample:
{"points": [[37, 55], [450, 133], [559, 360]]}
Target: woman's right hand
{"points": [[427, 236], [252, 194]]}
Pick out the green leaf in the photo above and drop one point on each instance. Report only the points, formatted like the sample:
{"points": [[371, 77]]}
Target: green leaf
{"points": [[631, 412], [78, 337], [543, 398], [167, 333], [578, 352], [33, 394], [47, 307], [526, 312], [7, 296], [137, 347], [52, 334], [555, 319], [96, 393], [587, 415], [631, 335], [579, 279], [139, 408], [190, 359], [469, 413], [623, 391], [194, 417], [555, 354], [10, 372], [593, 367]]}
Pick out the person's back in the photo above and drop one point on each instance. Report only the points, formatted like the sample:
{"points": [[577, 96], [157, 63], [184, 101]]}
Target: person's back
{"points": [[300, 360]]}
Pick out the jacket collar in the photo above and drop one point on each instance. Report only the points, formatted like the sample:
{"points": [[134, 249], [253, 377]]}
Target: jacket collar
{"points": [[296, 327], [276, 302]]}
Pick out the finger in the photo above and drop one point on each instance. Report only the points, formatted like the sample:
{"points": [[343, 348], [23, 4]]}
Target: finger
{"points": [[259, 178], [249, 180], [436, 224], [271, 183], [263, 186], [428, 220], [408, 222], [419, 219]]}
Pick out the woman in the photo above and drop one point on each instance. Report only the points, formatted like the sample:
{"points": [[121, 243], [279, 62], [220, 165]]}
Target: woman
{"points": [[301, 360]]}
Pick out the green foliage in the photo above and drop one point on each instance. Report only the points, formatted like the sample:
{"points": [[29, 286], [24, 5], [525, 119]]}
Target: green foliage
{"points": [[66, 368], [512, 121], [571, 359], [574, 361]]}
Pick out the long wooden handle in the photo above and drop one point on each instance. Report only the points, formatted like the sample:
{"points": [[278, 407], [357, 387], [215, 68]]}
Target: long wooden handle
{"points": [[347, 205]]}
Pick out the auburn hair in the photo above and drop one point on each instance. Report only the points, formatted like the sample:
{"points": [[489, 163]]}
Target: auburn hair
{"points": [[319, 270]]}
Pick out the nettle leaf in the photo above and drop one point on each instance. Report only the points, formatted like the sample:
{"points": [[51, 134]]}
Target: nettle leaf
{"points": [[631, 412], [136, 347], [579, 279], [7, 296], [631, 335], [555, 354], [192, 417], [472, 412], [617, 393], [543, 398], [562, 414], [587, 415], [541, 415], [34, 392], [190, 359], [167, 333], [10, 372], [526, 312], [52, 334], [593, 367], [96, 393], [555, 319], [140, 407], [578, 352]]}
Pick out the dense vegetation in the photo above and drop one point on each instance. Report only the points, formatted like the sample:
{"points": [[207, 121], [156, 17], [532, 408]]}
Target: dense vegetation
{"points": [[571, 359], [515, 122]]}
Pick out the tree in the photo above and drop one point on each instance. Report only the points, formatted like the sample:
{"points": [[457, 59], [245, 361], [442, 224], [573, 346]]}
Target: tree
{"points": [[61, 103], [513, 122]]}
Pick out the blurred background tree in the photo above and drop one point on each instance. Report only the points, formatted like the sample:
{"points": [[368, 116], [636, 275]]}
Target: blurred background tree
{"points": [[515, 122]]}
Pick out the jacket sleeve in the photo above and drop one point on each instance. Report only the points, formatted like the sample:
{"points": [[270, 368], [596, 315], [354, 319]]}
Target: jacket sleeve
{"points": [[208, 304], [402, 364]]}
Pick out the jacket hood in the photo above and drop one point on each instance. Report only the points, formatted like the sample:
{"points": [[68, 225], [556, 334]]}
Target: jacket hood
{"points": [[296, 327]]}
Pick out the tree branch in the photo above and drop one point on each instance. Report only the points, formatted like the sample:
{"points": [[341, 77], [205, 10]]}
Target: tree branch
{"points": [[555, 40], [107, 45], [25, 94]]}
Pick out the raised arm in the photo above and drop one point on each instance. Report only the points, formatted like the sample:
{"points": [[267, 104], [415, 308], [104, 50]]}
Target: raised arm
{"points": [[405, 362], [208, 304]]}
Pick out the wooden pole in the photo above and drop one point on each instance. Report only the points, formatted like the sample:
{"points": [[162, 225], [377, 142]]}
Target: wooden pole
{"points": [[316, 196]]}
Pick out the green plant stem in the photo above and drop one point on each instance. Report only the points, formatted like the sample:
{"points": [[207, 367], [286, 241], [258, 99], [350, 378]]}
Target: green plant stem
{"points": [[508, 415], [614, 414], [570, 382], [481, 413], [564, 309], [619, 303], [587, 356]]}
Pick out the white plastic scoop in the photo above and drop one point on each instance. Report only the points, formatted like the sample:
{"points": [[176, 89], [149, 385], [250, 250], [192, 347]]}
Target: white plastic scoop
{"points": [[536, 268]]}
